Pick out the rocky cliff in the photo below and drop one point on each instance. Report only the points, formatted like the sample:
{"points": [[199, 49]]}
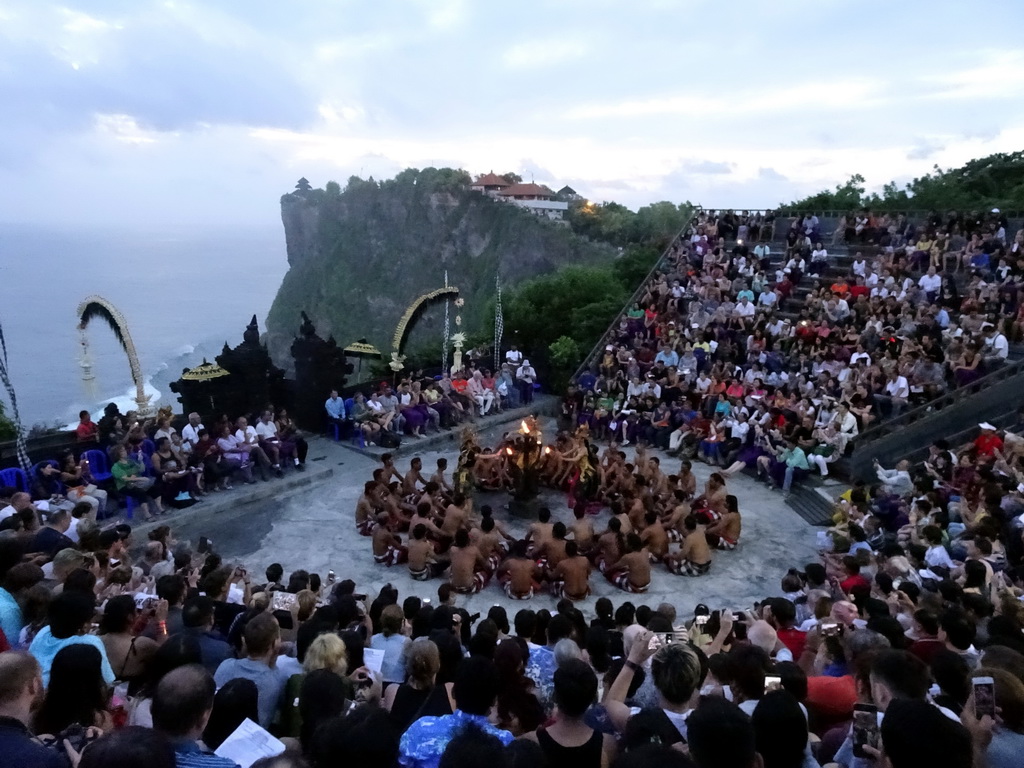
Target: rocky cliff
{"points": [[359, 257]]}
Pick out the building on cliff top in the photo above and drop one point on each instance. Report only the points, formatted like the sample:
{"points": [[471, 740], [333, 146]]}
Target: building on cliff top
{"points": [[490, 184], [536, 198]]}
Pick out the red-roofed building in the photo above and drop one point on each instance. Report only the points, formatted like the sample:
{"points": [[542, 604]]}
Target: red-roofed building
{"points": [[490, 183]]}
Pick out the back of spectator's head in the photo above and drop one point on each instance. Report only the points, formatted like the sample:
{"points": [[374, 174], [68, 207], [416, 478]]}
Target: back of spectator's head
{"points": [[498, 615], [422, 661], [1001, 657], [763, 635], [236, 700], [566, 650], [720, 735], [473, 747], [780, 730], [20, 677], [625, 614], [70, 613], [861, 641], [323, 695], [197, 612], [326, 651], [261, 635], [183, 701], [956, 628], [575, 687], [915, 733], [676, 672], [127, 747], [525, 622], [750, 664], [952, 674], [898, 675], [559, 627], [476, 686], [367, 736], [275, 572]]}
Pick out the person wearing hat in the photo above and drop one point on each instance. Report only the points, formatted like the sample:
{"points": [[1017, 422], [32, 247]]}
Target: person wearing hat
{"points": [[996, 348], [988, 442], [526, 376]]}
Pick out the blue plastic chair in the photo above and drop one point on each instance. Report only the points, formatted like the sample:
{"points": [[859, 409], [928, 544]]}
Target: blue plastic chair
{"points": [[148, 447], [13, 477], [98, 467]]}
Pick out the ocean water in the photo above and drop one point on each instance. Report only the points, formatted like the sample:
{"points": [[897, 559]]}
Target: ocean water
{"points": [[183, 295]]}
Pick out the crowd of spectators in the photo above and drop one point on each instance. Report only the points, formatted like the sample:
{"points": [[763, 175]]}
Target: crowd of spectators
{"points": [[417, 405], [902, 646], [721, 357]]}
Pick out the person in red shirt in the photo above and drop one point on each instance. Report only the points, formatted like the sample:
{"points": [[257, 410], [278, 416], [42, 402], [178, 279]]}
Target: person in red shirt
{"points": [[988, 442], [853, 577], [86, 431], [781, 614], [858, 290]]}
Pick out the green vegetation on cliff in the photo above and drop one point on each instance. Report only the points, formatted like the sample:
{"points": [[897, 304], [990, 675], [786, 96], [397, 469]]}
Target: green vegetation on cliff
{"points": [[359, 256], [996, 181]]}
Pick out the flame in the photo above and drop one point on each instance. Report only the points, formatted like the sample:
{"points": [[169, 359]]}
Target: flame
{"points": [[509, 451], [524, 427]]}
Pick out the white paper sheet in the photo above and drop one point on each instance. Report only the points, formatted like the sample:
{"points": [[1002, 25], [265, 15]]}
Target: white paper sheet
{"points": [[373, 659], [249, 743]]}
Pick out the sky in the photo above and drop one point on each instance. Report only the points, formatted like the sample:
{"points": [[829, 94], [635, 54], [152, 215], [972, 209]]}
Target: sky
{"points": [[183, 114]]}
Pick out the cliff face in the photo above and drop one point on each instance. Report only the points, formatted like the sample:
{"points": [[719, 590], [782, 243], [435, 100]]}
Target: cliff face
{"points": [[359, 258]]}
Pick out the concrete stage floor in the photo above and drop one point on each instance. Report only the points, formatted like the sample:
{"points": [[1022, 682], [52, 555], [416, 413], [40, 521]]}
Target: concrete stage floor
{"points": [[312, 527]]}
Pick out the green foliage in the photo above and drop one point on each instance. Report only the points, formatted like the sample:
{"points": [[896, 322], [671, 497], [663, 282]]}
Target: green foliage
{"points": [[634, 265], [7, 428], [996, 181], [332, 189], [653, 225], [564, 355], [512, 178]]}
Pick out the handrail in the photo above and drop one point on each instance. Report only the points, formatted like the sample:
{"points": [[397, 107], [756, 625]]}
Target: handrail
{"points": [[952, 397], [594, 353], [836, 212]]}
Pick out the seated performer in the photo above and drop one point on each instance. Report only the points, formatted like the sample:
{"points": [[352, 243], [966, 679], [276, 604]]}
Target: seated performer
{"points": [[724, 533], [518, 574], [468, 571], [571, 577], [387, 546], [632, 572], [694, 557]]}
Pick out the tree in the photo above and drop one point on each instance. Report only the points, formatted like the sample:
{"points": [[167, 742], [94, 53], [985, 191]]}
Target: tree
{"points": [[332, 189], [512, 178], [303, 185]]}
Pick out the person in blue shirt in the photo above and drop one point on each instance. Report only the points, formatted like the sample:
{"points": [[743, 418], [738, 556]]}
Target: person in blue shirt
{"points": [[667, 357], [586, 381], [475, 692], [335, 408], [70, 614]]}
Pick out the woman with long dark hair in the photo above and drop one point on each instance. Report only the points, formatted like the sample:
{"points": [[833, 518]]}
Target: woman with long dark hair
{"points": [[76, 694]]}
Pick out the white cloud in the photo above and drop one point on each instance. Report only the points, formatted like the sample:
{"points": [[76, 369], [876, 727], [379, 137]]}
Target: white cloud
{"points": [[539, 54]]}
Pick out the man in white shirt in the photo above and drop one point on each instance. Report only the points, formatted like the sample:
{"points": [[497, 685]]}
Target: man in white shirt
{"points": [[19, 503], [931, 284], [897, 392], [246, 436], [996, 347], [744, 312], [895, 481], [514, 357], [525, 377], [190, 432]]}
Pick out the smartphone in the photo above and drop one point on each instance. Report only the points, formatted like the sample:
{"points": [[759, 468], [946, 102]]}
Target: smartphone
{"points": [[426, 601], [330, 577], [830, 629], [700, 621], [205, 545], [770, 680], [984, 697], [865, 729]]}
